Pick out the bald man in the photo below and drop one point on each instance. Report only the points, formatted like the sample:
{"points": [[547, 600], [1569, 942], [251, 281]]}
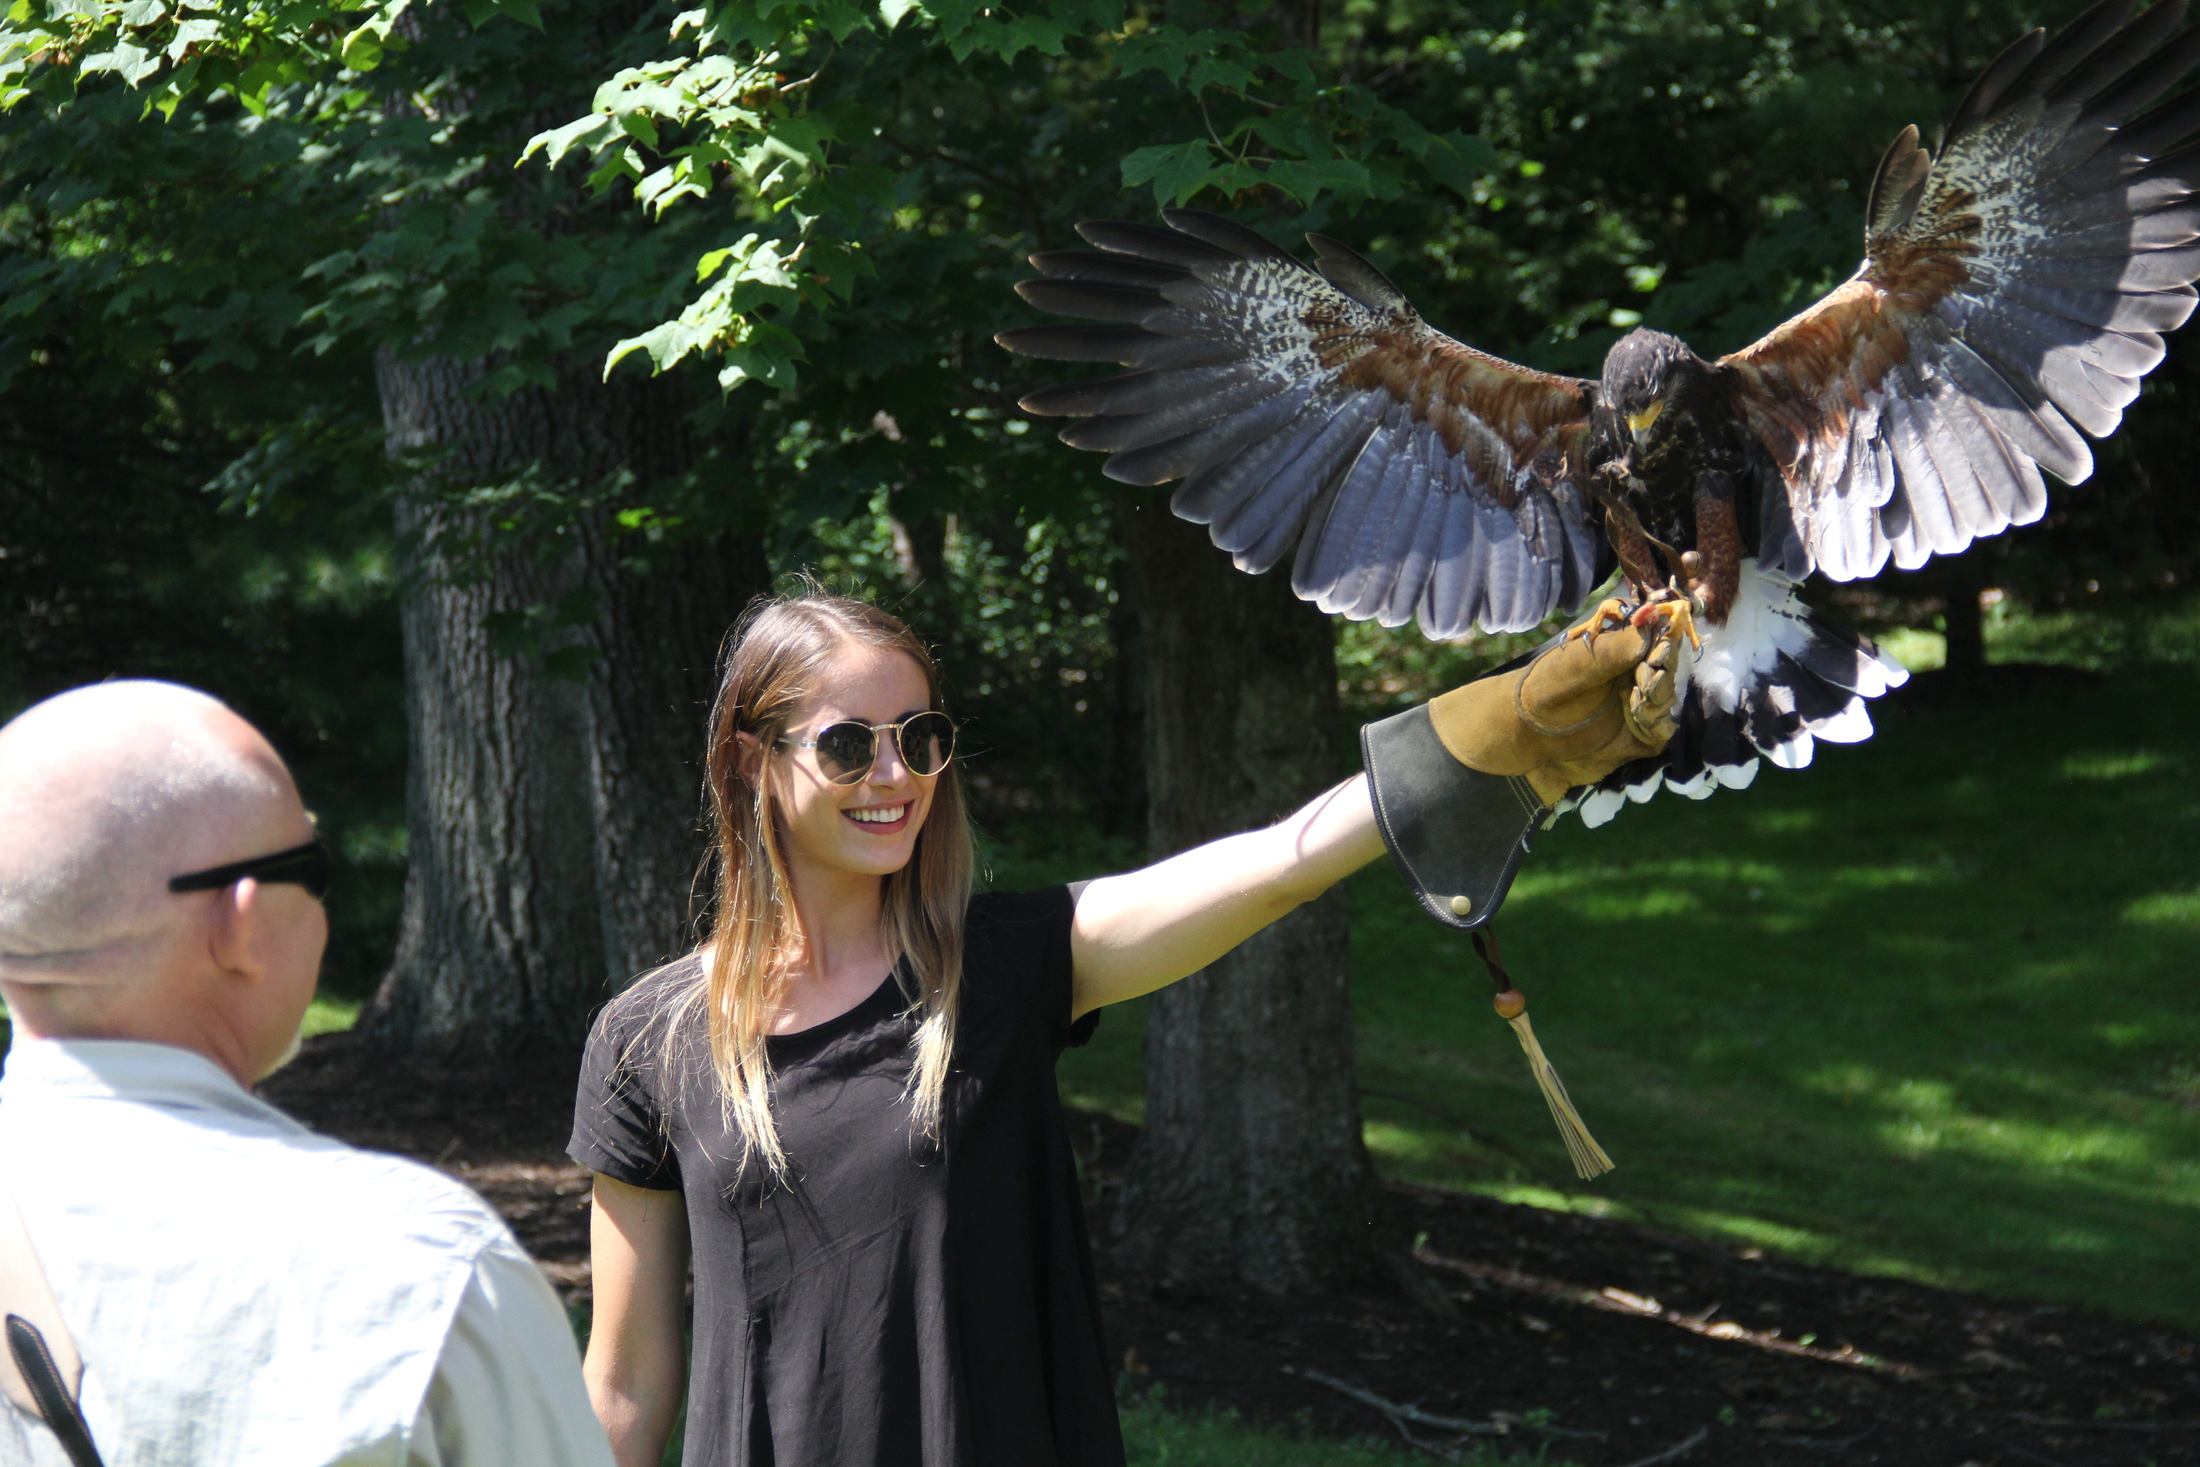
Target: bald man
{"points": [[240, 1290]]}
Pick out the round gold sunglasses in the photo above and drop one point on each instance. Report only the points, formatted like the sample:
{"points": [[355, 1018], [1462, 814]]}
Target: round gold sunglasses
{"points": [[846, 751]]}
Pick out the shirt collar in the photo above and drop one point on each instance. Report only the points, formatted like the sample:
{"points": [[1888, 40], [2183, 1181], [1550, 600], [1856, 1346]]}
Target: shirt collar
{"points": [[127, 1069]]}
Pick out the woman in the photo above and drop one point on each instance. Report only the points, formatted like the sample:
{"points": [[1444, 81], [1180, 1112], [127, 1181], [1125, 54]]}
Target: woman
{"points": [[843, 1108]]}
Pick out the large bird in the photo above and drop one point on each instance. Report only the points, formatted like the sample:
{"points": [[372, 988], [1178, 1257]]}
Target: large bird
{"points": [[2012, 294]]}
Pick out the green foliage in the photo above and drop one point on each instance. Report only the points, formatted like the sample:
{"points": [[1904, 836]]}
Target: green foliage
{"points": [[1023, 617], [171, 52], [114, 562], [778, 103], [144, 390], [786, 106]]}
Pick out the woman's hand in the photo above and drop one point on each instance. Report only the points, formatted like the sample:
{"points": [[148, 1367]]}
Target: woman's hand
{"points": [[637, 1348], [1145, 929]]}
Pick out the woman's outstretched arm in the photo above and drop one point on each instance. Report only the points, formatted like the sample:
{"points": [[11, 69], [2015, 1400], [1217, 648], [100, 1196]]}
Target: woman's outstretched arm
{"points": [[1145, 929], [637, 1348], [1582, 708]]}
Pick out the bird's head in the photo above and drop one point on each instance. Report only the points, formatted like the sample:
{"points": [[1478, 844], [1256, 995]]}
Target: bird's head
{"points": [[1644, 372]]}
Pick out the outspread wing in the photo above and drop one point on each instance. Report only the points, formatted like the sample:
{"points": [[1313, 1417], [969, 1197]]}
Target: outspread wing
{"points": [[2014, 289], [1421, 478]]}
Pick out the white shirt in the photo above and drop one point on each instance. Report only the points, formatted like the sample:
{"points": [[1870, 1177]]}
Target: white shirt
{"points": [[245, 1293]]}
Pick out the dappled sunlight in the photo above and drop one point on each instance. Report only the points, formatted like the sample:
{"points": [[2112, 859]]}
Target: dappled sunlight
{"points": [[2167, 909], [329, 1015], [1932, 1114], [1408, 1145], [1916, 1135], [1895, 1012], [1915, 648], [1551, 1200], [2113, 766], [1801, 1242]]}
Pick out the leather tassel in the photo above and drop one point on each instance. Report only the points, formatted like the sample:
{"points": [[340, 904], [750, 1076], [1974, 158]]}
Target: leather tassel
{"points": [[1512, 1006]]}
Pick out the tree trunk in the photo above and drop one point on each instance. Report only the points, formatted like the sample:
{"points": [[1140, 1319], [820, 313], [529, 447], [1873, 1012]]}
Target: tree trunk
{"points": [[1962, 578], [1250, 1165], [1124, 811], [649, 693], [553, 821]]}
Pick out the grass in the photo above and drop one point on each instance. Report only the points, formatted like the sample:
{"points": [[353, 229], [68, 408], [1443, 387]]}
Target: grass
{"points": [[1927, 1008]]}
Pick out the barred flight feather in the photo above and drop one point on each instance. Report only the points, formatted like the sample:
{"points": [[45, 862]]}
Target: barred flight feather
{"points": [[2017, 287], [1319, 408]]}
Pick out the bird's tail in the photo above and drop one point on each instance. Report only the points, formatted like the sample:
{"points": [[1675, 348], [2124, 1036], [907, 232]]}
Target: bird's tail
{"points": [[1767, 685]]}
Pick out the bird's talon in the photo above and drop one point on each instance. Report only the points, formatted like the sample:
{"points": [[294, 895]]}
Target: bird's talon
{"points": [[1611, 609], [1678, 611]]}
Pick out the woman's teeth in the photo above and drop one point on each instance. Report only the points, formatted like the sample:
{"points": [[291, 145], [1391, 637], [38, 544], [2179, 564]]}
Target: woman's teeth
{"points": [[884, 815]]}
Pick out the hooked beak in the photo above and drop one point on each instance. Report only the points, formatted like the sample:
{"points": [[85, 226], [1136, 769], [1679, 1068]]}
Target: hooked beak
{"points": [[1639, 423]]}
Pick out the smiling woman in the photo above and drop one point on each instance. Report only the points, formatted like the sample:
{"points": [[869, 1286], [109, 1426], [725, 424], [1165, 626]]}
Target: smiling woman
{"points": [[842, 1108]]}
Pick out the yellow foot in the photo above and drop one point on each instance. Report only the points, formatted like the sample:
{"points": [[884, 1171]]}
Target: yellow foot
{"points": [[1677, 610], [1610, 609]]}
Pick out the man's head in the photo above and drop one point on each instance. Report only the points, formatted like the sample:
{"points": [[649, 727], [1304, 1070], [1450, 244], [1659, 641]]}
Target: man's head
{"points": [[106, 793]]}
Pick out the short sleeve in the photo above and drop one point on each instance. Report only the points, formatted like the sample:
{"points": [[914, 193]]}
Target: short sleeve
{"points": [[618, 1120], [1019, 944], [1079, 1033], [507, 1390]]}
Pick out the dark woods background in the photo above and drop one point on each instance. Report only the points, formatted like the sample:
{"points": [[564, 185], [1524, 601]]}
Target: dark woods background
{"points": [[268, 381]]}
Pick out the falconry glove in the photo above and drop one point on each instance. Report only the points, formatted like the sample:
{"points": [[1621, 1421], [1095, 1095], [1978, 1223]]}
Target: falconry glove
{"points": [[1461, 781]]}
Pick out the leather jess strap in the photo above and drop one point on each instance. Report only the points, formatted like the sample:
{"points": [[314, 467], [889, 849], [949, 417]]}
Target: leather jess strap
{"points": [[39, 1370]]}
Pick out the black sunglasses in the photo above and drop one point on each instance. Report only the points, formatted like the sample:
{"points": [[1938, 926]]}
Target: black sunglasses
{"points": [[846, 751], [305, 866]]}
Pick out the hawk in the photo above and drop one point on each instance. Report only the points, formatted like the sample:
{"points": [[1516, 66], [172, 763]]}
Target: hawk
{"points": [[2013, 293]]}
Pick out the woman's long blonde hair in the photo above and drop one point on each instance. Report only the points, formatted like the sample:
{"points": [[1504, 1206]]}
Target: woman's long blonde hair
{"points": [[776, 654]]}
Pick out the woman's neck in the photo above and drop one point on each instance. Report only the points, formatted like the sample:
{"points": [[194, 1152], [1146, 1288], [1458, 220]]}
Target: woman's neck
{"points": [[839, 916]]}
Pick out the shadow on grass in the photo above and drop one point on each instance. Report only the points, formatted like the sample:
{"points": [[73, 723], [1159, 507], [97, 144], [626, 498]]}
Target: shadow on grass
{"points": [[1925, 1008], [1154, 1435]]}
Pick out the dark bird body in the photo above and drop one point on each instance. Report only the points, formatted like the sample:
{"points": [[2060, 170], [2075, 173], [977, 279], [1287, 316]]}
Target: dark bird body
{"points": [[2010, 298]]}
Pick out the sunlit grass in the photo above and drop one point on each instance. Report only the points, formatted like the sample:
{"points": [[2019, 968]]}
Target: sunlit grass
{"points": [[1916, 649], [329, 1015], [1928, 1008]]}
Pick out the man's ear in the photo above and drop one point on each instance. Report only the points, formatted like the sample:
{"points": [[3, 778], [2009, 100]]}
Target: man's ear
{"points": [[233, 923]]}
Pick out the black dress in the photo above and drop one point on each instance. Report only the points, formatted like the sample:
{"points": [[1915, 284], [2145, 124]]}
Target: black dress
{"points": [[893, 1303]]}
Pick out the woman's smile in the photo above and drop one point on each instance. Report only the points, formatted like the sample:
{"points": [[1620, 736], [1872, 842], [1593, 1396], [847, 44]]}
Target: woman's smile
{"points": [[881, 819]]}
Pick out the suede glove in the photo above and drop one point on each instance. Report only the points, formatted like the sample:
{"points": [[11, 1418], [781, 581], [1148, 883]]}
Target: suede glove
{"points": [[1577, 712], [1461, 782]]}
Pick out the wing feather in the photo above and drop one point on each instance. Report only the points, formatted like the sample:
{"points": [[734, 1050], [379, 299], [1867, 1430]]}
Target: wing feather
{"points": [[1261, 527], [1166, 419], [1129, 346], [2142, 310], [1458, 560], [2012, 294], [1209, 442], [1422, 476], [1414, 551]]}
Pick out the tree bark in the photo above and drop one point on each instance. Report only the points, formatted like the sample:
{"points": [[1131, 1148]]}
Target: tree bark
{"points": [[1250, 1165], [1962, 578], [553, 822]]}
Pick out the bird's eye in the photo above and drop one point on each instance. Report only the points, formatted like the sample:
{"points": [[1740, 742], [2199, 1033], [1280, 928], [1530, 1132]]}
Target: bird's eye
{"points": [[1639, 421]]}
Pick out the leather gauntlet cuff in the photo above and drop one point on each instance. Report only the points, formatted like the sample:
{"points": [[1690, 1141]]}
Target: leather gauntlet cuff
{"points": [[1456, 834]]}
